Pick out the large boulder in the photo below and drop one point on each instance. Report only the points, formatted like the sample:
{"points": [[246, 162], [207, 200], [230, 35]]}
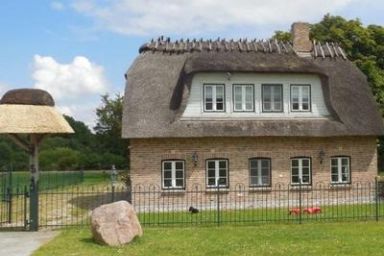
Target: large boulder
{"points": [[115, 224]]}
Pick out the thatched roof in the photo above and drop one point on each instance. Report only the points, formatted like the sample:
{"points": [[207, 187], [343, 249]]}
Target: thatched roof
{"points": [[159, 80], [30, 111]]}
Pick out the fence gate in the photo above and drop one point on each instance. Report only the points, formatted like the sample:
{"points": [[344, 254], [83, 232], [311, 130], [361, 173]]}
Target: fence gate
{"points": [[13, 203]]}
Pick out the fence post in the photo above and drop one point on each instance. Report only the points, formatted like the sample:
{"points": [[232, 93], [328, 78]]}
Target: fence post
{"points": [[34, 205], [218, 201], [300, 203], [377, 198]]}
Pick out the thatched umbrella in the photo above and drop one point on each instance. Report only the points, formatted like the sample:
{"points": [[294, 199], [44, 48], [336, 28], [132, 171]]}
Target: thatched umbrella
{"points": [[26, 116]]}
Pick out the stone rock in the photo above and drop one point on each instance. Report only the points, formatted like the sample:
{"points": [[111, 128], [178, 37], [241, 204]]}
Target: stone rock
{"points": [[115, 224]]}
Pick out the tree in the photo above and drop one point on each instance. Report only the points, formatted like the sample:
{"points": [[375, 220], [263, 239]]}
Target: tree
{"points": [[108, 126]]}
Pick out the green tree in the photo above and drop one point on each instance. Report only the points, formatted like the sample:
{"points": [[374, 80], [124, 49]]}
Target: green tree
{"points": [[108, 126]]}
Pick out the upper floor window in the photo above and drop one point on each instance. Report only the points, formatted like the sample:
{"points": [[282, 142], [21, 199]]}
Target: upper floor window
{"points": [[272, 95], [260, 172], [301, 170], [300, 98], [217, 172], [340, 170], [173, 174], [243, 97], [214, 97]]}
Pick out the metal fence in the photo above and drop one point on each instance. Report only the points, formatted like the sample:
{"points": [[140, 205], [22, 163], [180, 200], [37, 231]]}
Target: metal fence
{"points": [[71, 204]]}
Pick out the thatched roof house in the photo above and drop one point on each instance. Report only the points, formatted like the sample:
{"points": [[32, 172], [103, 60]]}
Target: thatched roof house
{"points": [[210, 101]]}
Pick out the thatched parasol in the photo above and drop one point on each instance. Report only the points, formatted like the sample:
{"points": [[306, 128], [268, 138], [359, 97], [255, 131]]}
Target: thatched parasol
{"points": [[26, 116]]}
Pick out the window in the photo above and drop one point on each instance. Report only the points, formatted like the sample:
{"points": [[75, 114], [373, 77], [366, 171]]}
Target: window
{"points": [[217, 170], [340, 170], [301, 171], [300, 97], [260, 172], [173, 174], [272, 97], [214, 97], [243, 97]]}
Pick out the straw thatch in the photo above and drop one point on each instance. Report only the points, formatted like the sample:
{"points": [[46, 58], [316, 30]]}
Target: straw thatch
{"points": [[158, 87], [30, 111]]}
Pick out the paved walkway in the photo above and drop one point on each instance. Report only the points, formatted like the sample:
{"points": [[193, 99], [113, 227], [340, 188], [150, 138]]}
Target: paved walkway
{"points": [[23, 243]]}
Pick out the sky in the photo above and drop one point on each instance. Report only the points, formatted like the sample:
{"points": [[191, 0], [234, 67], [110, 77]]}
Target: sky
{"points": [[78, 50]]}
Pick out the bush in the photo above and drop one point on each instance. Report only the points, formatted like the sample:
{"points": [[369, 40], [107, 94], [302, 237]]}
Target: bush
{"points": [[59, 159]]}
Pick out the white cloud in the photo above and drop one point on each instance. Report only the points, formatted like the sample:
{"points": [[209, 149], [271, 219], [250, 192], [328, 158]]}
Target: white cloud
{"points": [[3, 88], [138, 17], [76, 79], [57, 6], [76, 86]]}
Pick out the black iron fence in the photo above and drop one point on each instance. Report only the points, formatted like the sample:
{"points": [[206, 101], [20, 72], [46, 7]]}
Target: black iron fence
{"points": [[71, 204]]}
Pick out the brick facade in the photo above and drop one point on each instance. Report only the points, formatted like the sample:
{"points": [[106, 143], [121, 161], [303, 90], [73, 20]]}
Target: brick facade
{"points": [[146, 156]]}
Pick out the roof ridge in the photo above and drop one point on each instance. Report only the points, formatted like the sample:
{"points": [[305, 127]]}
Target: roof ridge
{"points": [[272, 45], [162, 44]]}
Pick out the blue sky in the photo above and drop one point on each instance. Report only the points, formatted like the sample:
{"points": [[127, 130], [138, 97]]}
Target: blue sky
{"points": [[80, 49]]}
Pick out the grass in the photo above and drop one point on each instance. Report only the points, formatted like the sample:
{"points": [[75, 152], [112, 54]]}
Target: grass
{"points": [[361, 238]]}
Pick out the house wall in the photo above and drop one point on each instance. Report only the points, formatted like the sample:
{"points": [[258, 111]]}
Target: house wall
{"points": [[195, 108], [146, 156]]}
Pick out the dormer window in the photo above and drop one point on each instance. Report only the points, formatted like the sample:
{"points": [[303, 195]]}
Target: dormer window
{"points": [[300, 98], [243, 97], [272, 95], [214, 98]]}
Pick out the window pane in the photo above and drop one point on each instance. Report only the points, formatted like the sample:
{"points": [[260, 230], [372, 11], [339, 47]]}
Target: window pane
{"points": [[222, 172], [249, 106], [253, 172], [335, 178], [306, 179], [305, 162], [267, 106], [265, 163], [211, 173], [344, 161], [219, 92], [179, 165], [179, 182], [305, 171], [295, 162], [305, 106], [238, 94], [334, 170], [179, 174], [265, 180], [266, 92], [222, 164], [265, 171], [167, 166], [295, 179], [222, 181], [219, 106], [277, 93], [254, 181], [277, 106], [167, 183], [211, 181], [211, 164], [334, 161], [295, 106], [167, 174], [208, 106]]}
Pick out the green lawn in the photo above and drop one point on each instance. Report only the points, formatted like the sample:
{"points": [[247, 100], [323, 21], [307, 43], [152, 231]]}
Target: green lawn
{"points": [[358, 238]]}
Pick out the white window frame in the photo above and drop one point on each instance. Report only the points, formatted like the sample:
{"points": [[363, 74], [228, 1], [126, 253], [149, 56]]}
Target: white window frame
{"points": [[173, 174], [300, 98], [272, 99], [259, 175], [217, 172], [339, 167], [243, 97], [300, 169], [214, 98]]}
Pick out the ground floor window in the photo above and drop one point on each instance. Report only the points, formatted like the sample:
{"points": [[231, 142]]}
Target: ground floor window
{"points": [[301, 170], [217, 172], [340, 169], [259, 172], [173, 174]]}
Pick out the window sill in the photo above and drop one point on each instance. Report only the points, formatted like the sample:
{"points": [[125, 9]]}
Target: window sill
{"points": [[300, 187], [215, 190], [340, 185], [260, 189]]}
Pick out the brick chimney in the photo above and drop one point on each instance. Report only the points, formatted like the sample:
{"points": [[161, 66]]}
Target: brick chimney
{"points": [[300, 34]]}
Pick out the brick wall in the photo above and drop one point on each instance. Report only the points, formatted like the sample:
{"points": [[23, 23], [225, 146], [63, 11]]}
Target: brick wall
{"points": [[147, 155]]}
